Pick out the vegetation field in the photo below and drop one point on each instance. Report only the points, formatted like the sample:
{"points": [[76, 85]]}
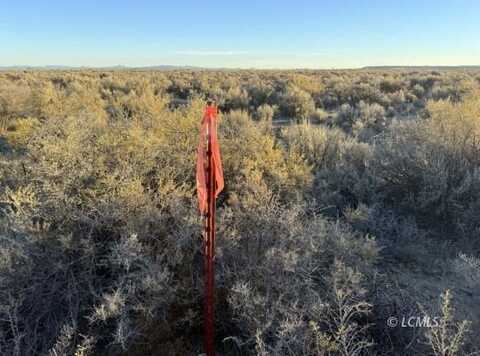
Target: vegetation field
{"points": [[349, 223]]}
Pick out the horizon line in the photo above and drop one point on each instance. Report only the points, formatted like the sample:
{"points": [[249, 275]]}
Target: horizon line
{"points": [[193, 67]]}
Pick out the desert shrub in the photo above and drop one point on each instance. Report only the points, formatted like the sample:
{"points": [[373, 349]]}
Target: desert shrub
{"points": [[236, 99], [320, 115], [440, 92], [109, 188], [107, 220], [346, 117], [84, 97], [68, 289], [265, 113], [455, 89], [390, 85], [408, 250], [449, 337], [260, 93], [296, 103], [180, 87], [308, 83], [248, 151], [51, 100], [371, 121], [364, 92], [321, 146], [430, 168], [48, 101], [141, 102], [311, 84], [345, 185], [329, 100], [99, 234], [403, 242], [468, 268], [19, 131], [397, 98], [15, 100], [265, 265], [339, 163], [418, 90]]}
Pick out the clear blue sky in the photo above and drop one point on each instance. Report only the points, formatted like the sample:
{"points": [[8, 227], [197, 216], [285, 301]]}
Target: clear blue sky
{"points": [[243, 33]]}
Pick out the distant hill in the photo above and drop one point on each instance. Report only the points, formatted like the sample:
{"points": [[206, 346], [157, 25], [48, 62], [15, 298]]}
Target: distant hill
{"points": [[468, 67], [49, 67], [167, 67], [118, 67]]}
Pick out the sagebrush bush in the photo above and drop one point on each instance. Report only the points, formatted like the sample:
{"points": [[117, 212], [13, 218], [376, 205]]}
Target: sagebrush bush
{"points": [[449, 337], [248, 151], [95, 249], [364, 207], [430, 168], [296, 103], [275, 262]]}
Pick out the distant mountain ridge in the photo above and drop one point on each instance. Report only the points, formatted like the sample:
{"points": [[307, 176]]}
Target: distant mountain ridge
{"points": [[168, 67], [475, 67], [117, 67]]}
